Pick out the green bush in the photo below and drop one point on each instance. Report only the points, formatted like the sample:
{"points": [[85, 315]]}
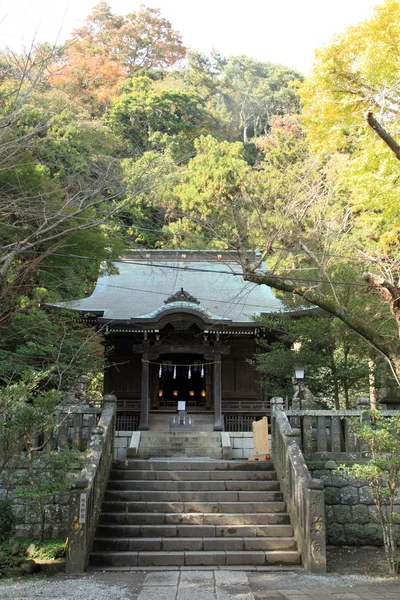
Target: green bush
{"points": [[15, 551], [6, 519]]}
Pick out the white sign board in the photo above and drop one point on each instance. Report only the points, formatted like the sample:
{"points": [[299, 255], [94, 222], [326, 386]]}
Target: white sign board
{"points": [[181, 405], [82, 508]]}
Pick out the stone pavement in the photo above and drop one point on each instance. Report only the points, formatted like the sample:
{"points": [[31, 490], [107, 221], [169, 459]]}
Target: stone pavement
{"points": [[204, 584]]}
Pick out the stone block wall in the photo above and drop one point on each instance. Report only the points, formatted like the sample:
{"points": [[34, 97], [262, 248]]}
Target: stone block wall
{"points": [[241, 441], [121, 443], [350, 512], [242, 444], [28, 518]]}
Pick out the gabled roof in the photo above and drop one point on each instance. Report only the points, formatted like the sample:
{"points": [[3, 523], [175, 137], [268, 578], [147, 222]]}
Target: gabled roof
{"points": [[150, 284]]}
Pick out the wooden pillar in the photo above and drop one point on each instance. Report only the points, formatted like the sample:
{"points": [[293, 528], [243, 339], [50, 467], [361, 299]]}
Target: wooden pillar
{"points": [[145, 401], [218, 424]]}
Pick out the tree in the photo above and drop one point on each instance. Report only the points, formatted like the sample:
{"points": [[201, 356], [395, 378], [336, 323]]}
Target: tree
{"points": [[381, 438], [356, 75], [110, 48], [242, 93], [141, 40], [28, 466], [60, 186], [336, 361], [359, 70], [148, 119]]}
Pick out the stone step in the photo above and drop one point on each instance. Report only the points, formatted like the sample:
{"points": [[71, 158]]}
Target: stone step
{"points": [[157, 475], [192, 512], [194, 558], [207, 544], [184, 435], [195, 465], [179, 444], [191, 496], [226, 531], [193, 507], [201, 485], [172, 453], [194, 518]]}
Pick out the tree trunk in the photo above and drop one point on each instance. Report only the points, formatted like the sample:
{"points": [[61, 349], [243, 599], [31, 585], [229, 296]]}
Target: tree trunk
{"points": [[336, 395], [383, 134], [355, 322]]}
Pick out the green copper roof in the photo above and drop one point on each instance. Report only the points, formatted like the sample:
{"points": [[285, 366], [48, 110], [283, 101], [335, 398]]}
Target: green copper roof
{"points": [[148, 285]]}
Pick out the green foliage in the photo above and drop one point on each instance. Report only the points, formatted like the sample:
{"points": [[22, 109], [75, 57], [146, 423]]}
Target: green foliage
{"points": [[28, 465], [334, 358], [15, 551], [148, 119], [56, 342], [359, 71], [6, 519], [381, 438], [242, 94], [27, 411]]}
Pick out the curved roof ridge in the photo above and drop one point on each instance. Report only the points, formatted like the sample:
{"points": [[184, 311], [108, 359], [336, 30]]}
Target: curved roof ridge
{"points": [[182, 304]]}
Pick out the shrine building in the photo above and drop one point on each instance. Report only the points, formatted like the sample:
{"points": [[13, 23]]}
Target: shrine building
{"points": [[181, 326]]}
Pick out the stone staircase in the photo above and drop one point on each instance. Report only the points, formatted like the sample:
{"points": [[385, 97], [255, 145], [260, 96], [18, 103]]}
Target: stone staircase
{"points": [[179, 444], [193, 512], [199, 421]]}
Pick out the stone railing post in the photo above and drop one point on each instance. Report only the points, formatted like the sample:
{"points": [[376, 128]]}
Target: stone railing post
{"points": [[363, 405], [315, 555], [276, 405], [77, 549]]}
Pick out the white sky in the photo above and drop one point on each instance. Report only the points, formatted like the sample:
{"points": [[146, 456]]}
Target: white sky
{"points": [[280, 31]]}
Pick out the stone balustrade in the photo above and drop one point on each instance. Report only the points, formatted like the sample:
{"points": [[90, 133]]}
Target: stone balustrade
{"points": [[327, 433], [75, 426], [304, 495], [87, 493]]}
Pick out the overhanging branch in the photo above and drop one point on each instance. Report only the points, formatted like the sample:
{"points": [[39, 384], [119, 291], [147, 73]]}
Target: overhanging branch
{"points": [[383, 134]]}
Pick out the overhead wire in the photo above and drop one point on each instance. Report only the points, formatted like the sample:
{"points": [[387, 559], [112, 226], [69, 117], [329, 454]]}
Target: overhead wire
{"points": [[192, 236], [150, 264], [207, 239]]}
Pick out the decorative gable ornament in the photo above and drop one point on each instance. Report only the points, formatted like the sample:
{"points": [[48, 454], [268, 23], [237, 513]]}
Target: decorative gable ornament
{"points": [[181, 296]]}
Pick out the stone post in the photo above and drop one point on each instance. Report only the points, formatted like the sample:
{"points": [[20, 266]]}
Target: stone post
{"points": [[218, 426], [111, 399], [276, 404], [363, 404], [77, 550], [315, 559], [145, 401]]}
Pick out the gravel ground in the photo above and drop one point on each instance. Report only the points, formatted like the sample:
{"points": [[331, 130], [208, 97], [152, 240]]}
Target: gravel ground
{"points": [[353, 573], [82, 589]]}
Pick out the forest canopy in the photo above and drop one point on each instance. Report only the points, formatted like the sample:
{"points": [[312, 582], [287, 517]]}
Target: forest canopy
{"points": [[122, 138]]}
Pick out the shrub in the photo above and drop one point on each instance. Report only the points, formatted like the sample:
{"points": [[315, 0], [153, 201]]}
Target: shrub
{"points": [[6, 519]]}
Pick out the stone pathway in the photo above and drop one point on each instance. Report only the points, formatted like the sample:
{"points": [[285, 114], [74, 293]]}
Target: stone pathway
{"points": [[203, 585]]}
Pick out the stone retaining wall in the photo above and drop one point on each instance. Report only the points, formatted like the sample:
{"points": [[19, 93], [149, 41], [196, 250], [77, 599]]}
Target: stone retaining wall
{"points": [[242, 444], [28, 519], [121, 443], [350, 512], [241, 441]]}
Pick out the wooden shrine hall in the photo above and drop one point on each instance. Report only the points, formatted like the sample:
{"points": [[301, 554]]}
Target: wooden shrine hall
{"points": [[181, 326]]}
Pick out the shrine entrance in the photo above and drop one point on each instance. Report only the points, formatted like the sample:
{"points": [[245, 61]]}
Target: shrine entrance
{"points": [[182, 377]]}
